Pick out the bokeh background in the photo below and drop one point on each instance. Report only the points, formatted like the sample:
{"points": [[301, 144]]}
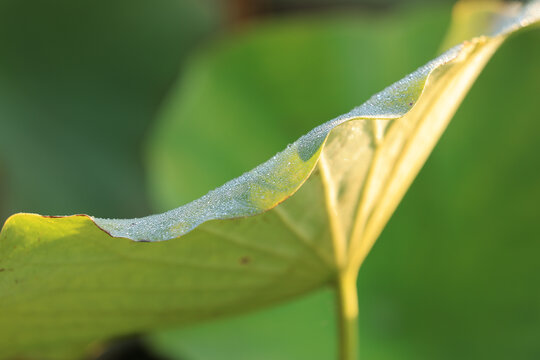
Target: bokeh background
{"points": [[90, 91]]}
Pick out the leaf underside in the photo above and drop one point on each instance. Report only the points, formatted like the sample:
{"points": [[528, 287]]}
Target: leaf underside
{"points": [[283, 229]]}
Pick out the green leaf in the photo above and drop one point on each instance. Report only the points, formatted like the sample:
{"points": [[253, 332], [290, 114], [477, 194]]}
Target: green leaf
{"points": [[347, 176]]}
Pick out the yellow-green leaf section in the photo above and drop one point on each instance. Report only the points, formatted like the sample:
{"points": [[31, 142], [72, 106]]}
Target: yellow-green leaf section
{"points": [[304, 219]]}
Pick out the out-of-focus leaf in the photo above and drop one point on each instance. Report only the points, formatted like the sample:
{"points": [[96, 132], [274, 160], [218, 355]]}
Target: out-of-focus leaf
{"points": [[347, 176]]}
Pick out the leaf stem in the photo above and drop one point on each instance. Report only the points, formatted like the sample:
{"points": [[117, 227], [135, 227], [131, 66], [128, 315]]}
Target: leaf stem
{"points": [[347, 311]]}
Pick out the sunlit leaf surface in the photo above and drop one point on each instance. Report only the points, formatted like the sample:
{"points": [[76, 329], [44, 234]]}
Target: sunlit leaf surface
{"points": [[293, 224]]}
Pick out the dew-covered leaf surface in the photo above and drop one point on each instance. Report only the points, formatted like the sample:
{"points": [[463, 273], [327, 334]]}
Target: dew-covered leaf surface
{"points": [[281, 230]]}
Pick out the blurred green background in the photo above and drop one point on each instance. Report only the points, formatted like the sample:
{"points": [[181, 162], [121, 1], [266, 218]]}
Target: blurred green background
{"points": [[123, 108]]}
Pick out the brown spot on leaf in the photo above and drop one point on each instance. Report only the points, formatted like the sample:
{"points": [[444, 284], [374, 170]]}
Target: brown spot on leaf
{"points": [[244, 260]]}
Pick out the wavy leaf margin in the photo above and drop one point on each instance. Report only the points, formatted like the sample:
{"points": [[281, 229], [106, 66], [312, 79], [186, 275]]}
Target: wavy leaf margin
{"points": [[277, 179]]}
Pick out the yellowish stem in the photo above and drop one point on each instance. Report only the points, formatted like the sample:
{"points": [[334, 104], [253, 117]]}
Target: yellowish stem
{"points": [[347, 306]]}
